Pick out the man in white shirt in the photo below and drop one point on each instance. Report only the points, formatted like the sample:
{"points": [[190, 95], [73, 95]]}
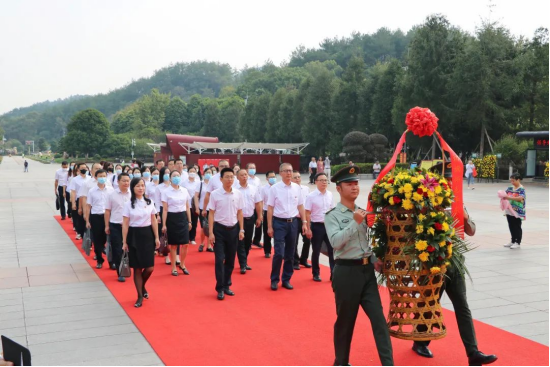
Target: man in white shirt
{"points": [[114, 206], [84, 189], [327, 168], [77, 209], [301, 259], [317, 204], [60, 187], [252, 205], [253, 180], [95, 214], [214, 184], [285, 202], [271, 180], [182, 169], [226, 229], [312, 170]]}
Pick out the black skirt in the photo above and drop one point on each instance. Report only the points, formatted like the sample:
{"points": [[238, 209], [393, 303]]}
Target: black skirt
{"points": [[177, 228], [141, 247]]}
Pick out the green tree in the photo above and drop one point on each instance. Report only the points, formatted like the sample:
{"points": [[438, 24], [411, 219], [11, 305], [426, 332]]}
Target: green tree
{"points": [[42, 144], [86, 133], [212, 121], [150, 110], [231, 110], [124, 121], [176, 116], [272, 127], [196, 109]]}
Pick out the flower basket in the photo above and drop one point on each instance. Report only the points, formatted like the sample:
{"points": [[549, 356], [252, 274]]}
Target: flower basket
{"points": [[415, 311]]}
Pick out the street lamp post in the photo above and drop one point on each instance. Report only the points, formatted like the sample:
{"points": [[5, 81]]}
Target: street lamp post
{"points": [[133, 145]]}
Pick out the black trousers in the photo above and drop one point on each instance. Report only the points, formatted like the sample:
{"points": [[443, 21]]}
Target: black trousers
{"points": [[97, 221], [267, 239], [78, 220], [61, 198], [302, 258], [257, 231], [284, 242], [312, 175], [225, 249], [69, 207], [455, 286], [194, 220], [244, 245], [116, 244], [515, 229], [356, 286], [319, 235]]}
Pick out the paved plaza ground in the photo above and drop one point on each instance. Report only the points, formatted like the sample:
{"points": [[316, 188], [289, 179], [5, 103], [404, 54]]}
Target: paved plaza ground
{"points": [[54, 303]]}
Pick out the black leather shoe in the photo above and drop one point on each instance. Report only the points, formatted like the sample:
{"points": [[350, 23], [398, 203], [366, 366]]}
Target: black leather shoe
{"points": [[479, 359], [422, 350], [99, 265], [306, 265], [221, 296], [267, 256], [317, 278], [113, 267], [274, 286], [296, 267], [248, 268], [229, 292], [139, 302], [243, 270], [287, 285]]}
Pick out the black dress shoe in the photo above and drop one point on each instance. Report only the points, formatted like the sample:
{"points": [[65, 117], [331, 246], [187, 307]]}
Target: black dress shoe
{"points": [[267, 256], [317, 278], [99, 265], [422, 350], [248, 268], [139, 302], [221, 296], [243, 270], [305, 265], [296, 267], [113, 267], [478, 359], [274, 286], [287, 285], [229, 292]]}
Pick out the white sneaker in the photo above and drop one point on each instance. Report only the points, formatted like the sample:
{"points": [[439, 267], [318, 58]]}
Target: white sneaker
{"points": [[515, 245], [193, 243], [509, 244], [78, 237]]}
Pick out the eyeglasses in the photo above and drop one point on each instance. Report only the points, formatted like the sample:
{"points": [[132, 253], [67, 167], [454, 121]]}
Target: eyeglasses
{"points": [[322, 180], [286, 171]]}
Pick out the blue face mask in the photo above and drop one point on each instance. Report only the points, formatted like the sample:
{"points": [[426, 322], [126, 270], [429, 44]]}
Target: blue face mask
{"points": [[138, 175], [185, 170], [131, 176], [118, 171], [272, 181], [102, 180], [208, 176], [155, 177], [251, 172], [176, 180], [166, 177], [146, 174]]}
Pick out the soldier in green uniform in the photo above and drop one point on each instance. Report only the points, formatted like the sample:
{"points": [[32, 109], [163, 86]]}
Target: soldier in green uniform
{"points": [[354, 282]]}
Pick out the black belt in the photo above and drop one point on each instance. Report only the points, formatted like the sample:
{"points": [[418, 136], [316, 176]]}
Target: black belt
{"points": [[249, 218], [352, 262], [229, 228], [289, 220], [323, 223]]}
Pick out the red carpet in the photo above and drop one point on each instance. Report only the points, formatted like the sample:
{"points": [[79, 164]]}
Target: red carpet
{"points": [[187, 325]]}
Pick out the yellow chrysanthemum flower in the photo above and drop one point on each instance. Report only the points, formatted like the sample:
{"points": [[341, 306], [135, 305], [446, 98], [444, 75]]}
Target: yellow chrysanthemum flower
{"points": [[391, 201], [439, 200], [445, 226], [417, 197], [443, 181], [442, 244], [433, 214], [431, 194], [407, 204], [423, 188], [424, 256], [408, 195], [421, 245], [438, 190], [400, 190], [447, 194], [408, 188], [414, 180], [435, 270], [421, 217], [449, 251], [419, 228], [431, 231]]}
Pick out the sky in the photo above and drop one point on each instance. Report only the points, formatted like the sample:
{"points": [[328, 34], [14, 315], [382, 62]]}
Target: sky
{"points": [[57, 48]]}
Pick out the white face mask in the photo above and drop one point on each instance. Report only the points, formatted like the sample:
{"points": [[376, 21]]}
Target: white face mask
{"points": [[192, 175]]}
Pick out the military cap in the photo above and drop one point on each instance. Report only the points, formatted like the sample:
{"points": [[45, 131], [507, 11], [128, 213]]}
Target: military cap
{"points": [[437, 168], [346, 174]]}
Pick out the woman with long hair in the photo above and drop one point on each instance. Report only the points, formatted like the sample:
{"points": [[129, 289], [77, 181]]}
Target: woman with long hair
{"points": [[164, 183], [176, 220], [199, 197], [140, 236]]}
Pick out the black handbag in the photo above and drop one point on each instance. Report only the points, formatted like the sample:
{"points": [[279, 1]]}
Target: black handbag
{"points": [[109, 250], [164, 249], [205, 227], [124, 269], [87, 242], [57, 205]]}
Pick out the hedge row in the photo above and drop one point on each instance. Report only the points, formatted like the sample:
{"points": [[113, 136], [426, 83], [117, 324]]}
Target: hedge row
{"points": [[366, 167]]}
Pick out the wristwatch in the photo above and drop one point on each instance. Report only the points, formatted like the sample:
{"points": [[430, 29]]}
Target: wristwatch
{"points": [[304, 221], [242, 230]]}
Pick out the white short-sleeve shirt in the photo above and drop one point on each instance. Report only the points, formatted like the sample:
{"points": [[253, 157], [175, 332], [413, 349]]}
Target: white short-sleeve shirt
{"points": [[78, 182], [158, 193], [177, 199], [285, 199], [264, 192], [61, 175], [97, 198], [251, 196], [226, 206], [115, 203], [318, 204], [214, 183], [140, 215], [192, 188], [202, 194], [254, 181]]}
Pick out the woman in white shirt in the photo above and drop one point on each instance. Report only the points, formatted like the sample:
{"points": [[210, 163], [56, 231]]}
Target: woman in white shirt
{"points": [[199, 197], [192, 185], [140, 236], [470, 173], [176, 220], [164, 183]]}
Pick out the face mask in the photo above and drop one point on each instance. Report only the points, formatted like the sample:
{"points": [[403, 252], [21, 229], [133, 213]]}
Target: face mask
{"points": [[176, 180], [65, 169], [166, 177], [102, 180], [272, 181], [83, 171], [192, 175], [185, 170], [251, 172], [118, 171], [138, 175], [131, 176], [110, 169], [146, 174], [208, 176], [155, 177]]}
